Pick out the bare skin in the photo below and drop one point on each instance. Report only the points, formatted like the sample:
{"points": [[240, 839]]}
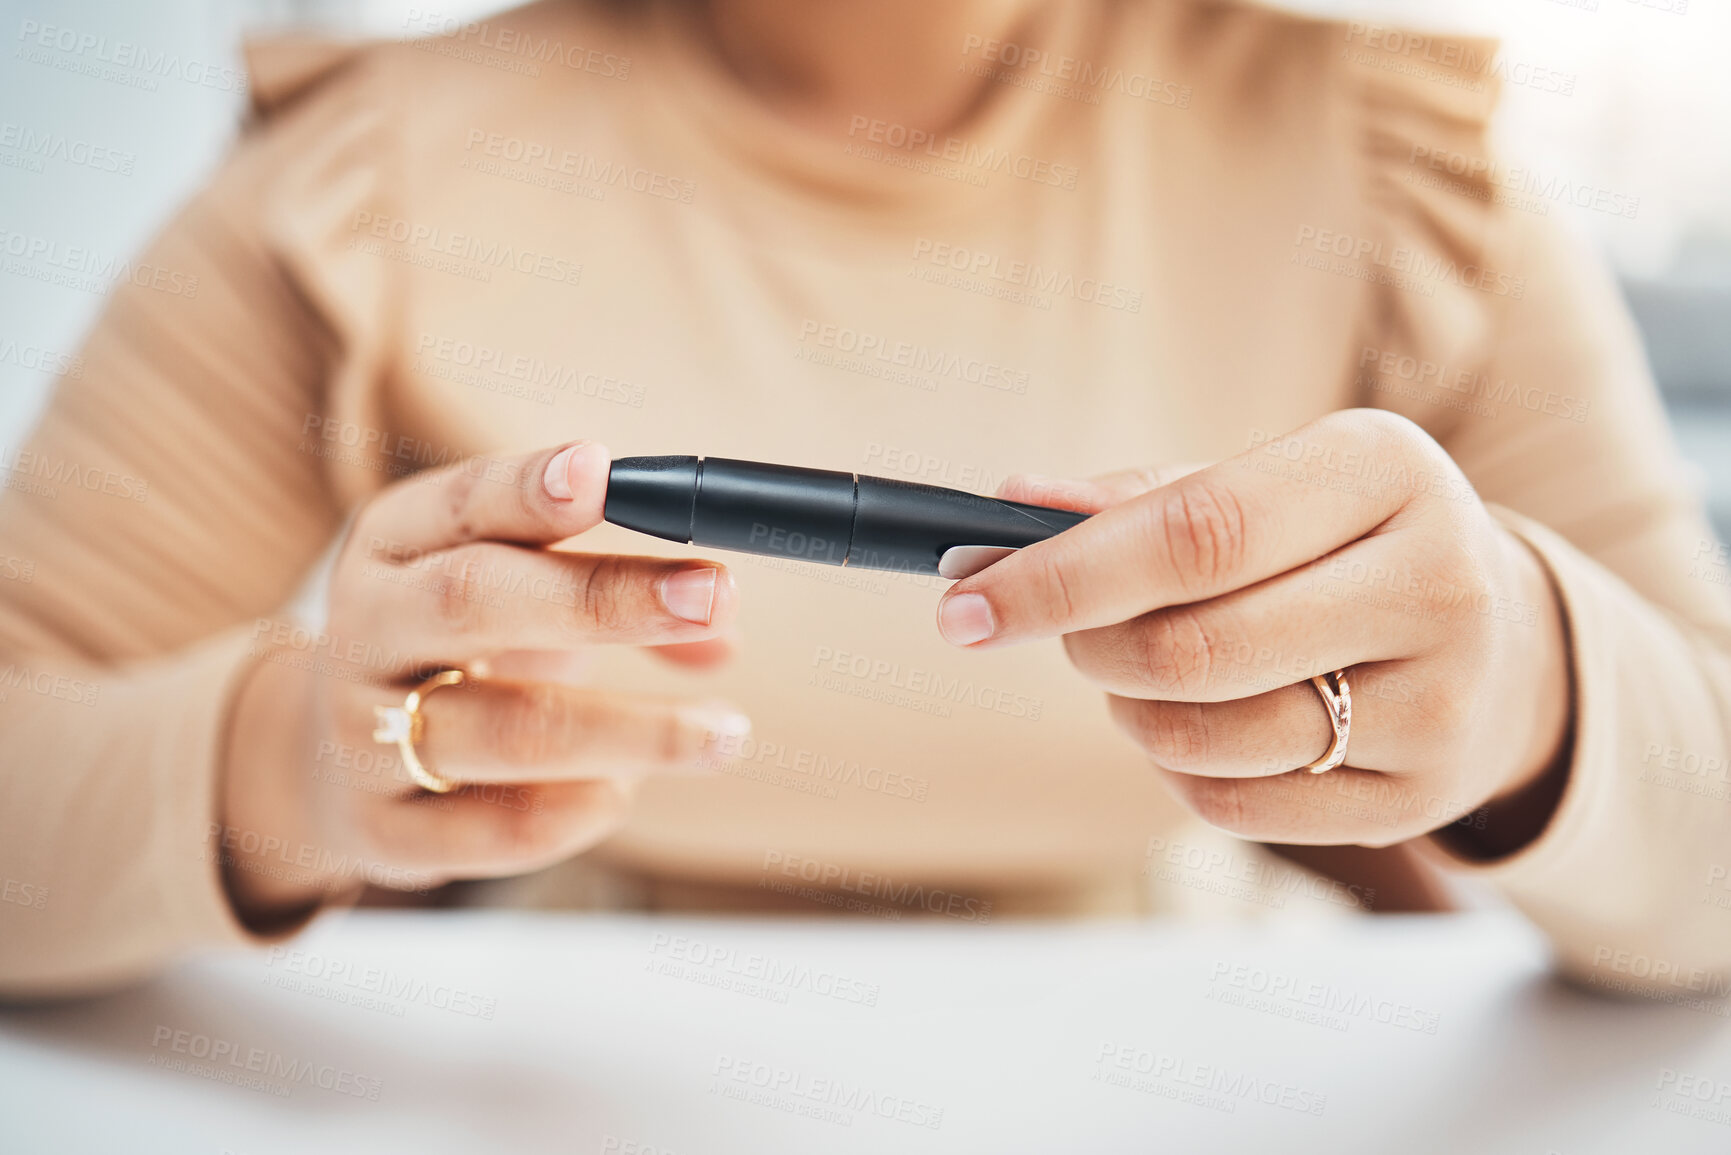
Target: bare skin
{"points": [[545, 763], [1203, 606]]}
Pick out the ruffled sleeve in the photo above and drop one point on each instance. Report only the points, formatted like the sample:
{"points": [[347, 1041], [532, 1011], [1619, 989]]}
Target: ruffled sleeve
{"points": [[170, 503], [1425, 150], [1508, 341], [332, 107]]}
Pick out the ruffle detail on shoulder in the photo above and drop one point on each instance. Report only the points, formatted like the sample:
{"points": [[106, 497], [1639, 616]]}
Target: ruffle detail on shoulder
{"points": [[1426, 104], [280, 69], [327, 143]]}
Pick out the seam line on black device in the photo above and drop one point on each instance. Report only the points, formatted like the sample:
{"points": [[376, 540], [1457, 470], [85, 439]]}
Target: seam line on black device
{"points": [[1035, 518], [852, 524], [696, 496]]}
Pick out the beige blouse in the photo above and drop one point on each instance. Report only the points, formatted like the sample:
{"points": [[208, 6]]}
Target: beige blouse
{"points": [[1179, 228]]}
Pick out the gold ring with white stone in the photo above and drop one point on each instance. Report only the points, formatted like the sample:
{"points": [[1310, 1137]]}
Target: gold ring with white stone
{"points": [[403, 725], [1337, 696]]}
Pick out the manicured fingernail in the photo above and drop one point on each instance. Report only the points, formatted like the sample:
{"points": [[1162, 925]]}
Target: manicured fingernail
{"points": [[965, 619], [690, 594], [722, 727], [723, 721], [557, 479], [571, 465]]}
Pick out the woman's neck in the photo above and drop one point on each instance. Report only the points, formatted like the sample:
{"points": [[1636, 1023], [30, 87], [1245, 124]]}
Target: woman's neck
{"points": [[824, 63]]}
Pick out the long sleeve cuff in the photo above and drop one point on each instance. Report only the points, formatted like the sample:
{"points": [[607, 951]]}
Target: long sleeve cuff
{"points": [[1625, 875], [123, 870]]}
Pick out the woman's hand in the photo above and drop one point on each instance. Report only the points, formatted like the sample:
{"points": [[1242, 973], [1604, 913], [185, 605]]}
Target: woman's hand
{"points": [[448, 570], [1204, 606]]}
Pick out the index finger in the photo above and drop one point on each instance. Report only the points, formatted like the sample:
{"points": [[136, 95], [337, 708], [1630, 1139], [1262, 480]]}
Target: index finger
{"points": [[1230, 525], [535, 499], [1091, 495]]}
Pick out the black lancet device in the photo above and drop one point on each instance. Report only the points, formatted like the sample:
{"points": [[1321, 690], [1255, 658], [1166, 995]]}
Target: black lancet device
{"points": [[818, 515]]}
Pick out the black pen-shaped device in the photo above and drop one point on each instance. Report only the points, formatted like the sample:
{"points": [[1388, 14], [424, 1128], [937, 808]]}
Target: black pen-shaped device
{"points": [[819, 515]]}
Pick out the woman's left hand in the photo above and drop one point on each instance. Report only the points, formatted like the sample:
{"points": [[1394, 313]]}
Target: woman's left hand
{"points": [[1204, 607]]}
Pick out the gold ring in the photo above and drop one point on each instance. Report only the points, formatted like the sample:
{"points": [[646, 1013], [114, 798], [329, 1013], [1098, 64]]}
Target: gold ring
{"points": [[1337, 696], [404, 726]]}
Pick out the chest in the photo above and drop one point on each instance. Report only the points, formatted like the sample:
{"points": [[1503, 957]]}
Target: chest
{"points": [[590, 289]]}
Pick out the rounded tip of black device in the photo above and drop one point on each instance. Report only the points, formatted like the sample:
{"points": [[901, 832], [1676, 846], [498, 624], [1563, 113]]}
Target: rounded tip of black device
{"points": [[653, 495]]}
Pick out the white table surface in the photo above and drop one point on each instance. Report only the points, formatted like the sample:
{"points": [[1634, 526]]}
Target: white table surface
{"points": [[514, 1032]]}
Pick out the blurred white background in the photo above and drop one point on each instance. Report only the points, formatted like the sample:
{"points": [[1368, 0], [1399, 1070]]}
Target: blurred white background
{"points": [[1648, 115]]}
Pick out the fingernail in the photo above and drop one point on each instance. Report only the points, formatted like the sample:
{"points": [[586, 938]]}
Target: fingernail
{"points": [[570, 465], [965, 619], [690, 594], [722, 727], [723, 721], [557, 479]]}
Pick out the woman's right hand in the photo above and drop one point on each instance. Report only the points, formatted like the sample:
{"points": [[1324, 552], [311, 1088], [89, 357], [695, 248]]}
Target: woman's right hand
{"points": [[445, 570]]}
